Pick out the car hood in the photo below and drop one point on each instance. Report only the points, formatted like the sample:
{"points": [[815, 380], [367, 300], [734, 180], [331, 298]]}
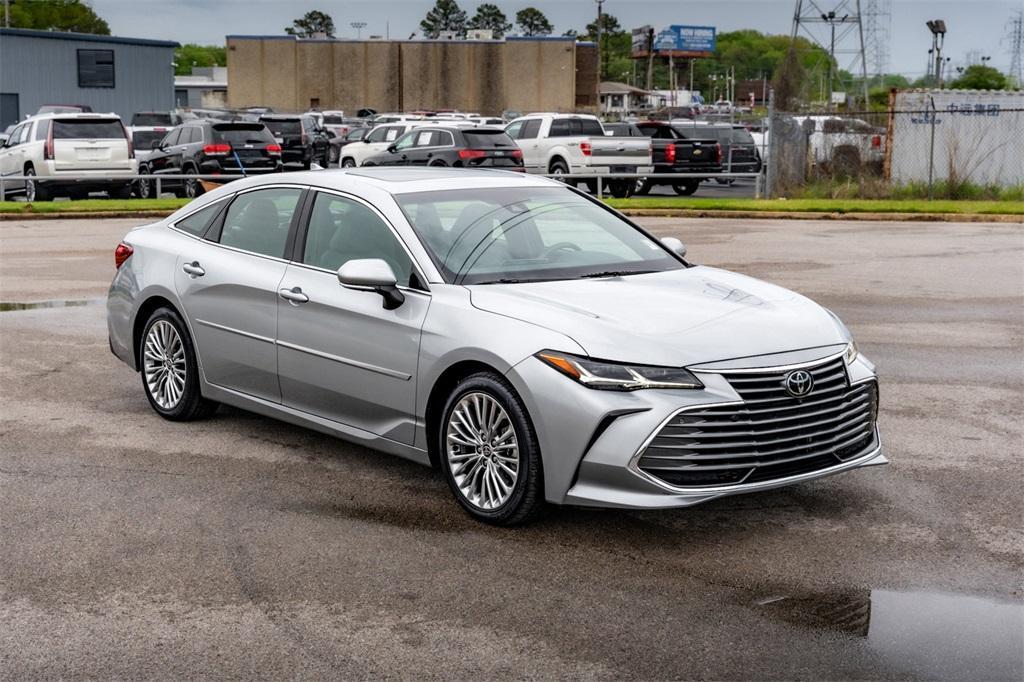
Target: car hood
{"points": [[676, 318]]}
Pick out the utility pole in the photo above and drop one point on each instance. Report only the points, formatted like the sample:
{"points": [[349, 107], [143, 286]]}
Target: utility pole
{"points": [[600, 47], [938, 29], [7, 13], [650, 58]]}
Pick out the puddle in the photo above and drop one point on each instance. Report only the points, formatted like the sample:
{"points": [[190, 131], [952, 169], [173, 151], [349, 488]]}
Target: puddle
{"points": [[7, 306], [922, 634]]}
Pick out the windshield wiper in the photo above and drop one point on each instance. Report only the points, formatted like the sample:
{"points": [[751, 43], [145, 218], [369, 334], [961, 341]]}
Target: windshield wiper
{"points": [[615, 273], [507, 280]]}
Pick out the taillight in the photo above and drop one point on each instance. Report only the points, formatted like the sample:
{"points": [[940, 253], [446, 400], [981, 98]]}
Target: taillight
{"points": [[516, 153], [128, 139], [876, 141], [122, 253], [220, 149], [48, 147], [586, 148], [465, 154], [718, 153], [274, 149], [670, 153]]}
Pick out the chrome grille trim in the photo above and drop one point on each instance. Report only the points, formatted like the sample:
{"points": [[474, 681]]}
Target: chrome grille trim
{"points": [[768, 440]]}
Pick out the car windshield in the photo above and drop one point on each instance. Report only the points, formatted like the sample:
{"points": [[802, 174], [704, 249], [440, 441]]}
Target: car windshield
{"points": [[152, 119], [284, 127], [528, 234], [87, 129], [740, 136], [144, 139], [241, 134]]}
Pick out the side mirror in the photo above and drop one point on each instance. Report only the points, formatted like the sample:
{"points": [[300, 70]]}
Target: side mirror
{"points": [[392, 149], [156, 144], [372, 274], [675, 246]]}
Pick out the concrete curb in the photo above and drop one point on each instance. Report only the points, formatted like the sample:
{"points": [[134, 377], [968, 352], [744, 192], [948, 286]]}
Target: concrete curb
{"points": [[809, 215], [66, 215]]}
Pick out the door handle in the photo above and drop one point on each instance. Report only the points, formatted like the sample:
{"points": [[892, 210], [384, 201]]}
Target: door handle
{"points": [[293, 295], [193, 269]]}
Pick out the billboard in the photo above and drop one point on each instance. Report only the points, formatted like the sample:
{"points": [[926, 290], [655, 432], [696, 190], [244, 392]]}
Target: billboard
{"points": [[679, 41]]}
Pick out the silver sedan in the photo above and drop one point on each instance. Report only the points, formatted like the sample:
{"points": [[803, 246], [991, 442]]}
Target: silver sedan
{"points": [[535, 345]]}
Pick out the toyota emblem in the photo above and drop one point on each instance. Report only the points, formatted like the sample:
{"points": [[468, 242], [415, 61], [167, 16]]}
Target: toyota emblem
{"points": [[798, 383]]}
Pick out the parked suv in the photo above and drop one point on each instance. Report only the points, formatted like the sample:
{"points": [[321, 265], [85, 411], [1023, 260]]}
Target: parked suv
{"points": [[441, 146], [49, 148], [209, 147], [303, 140]]}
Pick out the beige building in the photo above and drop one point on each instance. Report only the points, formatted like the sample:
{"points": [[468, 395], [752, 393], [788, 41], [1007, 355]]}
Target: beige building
{"points": [[485, 76]]}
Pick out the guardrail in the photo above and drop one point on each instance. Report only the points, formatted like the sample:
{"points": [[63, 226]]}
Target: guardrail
{"points": [[601, 180]]}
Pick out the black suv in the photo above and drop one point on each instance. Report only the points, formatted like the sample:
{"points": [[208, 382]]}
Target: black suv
{"points": [[303, 141], [442, 146], [208, 147]]}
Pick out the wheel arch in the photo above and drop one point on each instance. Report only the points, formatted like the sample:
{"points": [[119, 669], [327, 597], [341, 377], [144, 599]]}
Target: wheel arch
{"points": [[558, 158], [443, 385], [145, 310]]}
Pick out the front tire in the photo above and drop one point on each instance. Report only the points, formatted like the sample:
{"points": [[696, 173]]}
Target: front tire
{"points": [[170, 374], [144, 187], [191, 187], [348, 163], [489, 452]]}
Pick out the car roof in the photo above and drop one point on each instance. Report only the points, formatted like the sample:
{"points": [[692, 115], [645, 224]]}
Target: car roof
{"points": [[401, 179], [77, 114]]}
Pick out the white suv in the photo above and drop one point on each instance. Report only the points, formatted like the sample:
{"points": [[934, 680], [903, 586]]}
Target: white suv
{"points": [[49, 148]]}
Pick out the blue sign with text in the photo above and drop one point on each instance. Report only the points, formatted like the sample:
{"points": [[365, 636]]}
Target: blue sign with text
{"points": [[685, 39]]}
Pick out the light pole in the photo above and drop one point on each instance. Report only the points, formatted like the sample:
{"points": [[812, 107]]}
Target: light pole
{"points": [[938, 29], [600, 4], [358, 26], [831, 19]]}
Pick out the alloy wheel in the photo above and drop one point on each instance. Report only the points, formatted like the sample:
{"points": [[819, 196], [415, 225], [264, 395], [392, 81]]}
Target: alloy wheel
{"points": [[482, 451], [164, 364], [30, 186]]}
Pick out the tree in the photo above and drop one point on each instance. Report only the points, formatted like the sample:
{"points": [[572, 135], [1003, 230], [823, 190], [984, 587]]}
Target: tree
{"points": [[312, 23], [489, 17], [532, 22], [189, 55], [609, 26], [446, 16], [57, 15], [981, 77], [788, 81]]}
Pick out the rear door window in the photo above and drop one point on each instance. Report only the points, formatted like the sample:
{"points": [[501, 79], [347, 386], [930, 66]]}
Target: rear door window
{"points": [[559, 128], [587, 126], [258, 221], [87, 129]]}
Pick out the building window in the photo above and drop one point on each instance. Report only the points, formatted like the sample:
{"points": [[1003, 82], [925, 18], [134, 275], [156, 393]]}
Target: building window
{"points": [[95, 68]]}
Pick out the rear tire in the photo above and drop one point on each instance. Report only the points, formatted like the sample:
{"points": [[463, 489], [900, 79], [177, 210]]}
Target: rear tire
{"points": [[348, 163], [123, 192], [620, 189], [33, 190], [494, 471], [170, 374], [643, 186], [686, 188]]}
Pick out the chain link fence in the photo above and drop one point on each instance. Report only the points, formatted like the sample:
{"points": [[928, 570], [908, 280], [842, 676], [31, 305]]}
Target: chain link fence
{"points": [[956, 151]]}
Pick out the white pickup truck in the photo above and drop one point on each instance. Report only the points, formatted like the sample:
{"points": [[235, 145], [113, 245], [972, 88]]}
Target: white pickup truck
{"points": [[576, 144]]}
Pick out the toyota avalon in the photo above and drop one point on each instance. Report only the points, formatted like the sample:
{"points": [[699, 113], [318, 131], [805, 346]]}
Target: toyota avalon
{"points": [[533, 344]]}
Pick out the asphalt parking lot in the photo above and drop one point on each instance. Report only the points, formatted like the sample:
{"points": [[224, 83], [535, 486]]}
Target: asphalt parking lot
{"points": [[240, 547]]}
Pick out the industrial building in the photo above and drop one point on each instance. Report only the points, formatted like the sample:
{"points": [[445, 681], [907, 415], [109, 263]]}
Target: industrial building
{"points": [[107, 73], [485, 76], [205, 88]]}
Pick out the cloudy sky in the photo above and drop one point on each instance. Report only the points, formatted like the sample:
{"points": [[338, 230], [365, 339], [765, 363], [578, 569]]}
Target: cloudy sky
{"points": [[973, 25]]}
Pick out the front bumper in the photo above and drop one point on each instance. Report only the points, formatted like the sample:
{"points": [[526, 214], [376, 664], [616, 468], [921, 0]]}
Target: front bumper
{"points": [[590, 439]]}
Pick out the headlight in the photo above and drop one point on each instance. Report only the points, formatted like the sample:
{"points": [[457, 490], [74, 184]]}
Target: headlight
{"points": [[851, 352], [613, 376]]}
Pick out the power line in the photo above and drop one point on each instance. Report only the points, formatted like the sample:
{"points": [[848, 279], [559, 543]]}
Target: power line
{"points": [[810, 16]]}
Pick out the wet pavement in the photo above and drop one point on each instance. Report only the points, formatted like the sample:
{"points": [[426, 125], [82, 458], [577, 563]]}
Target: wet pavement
{"points": [[239, 547]]}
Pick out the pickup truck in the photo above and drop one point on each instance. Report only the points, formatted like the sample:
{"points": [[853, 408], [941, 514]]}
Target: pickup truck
{"points": [[844, 146], [576, 144], [678, 149]]}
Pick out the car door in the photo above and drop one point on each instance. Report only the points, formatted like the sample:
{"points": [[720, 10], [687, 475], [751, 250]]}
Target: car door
{"points": [[11, 157], [229, 285], [160, 159], [402, 156], [341, 355], [528, 141]]}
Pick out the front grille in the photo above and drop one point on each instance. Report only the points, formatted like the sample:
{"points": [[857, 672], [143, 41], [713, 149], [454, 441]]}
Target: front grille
{"points": [[771, 435]]}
